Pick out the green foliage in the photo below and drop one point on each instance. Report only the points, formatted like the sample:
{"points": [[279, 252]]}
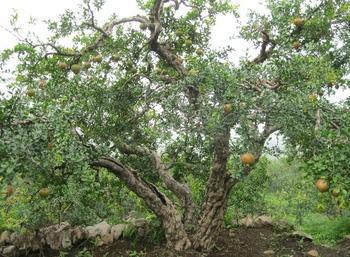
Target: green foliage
{"points": [[247, 198], [289, 193], [197, 187], [291, 196], [50, 136], [326, 152], [80, 201], [84, 253], [151, 232], [325, 229], [130, 233]]}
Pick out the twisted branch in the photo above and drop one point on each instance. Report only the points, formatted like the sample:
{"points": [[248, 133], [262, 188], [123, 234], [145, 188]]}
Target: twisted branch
{"points": [[181, 191], [265, 51]]}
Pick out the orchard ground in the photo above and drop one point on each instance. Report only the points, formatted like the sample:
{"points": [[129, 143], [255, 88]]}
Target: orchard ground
{"points": [[239, 242]]}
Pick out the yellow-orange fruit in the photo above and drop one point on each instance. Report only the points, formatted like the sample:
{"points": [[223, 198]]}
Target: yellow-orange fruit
{"points": [[322, 185], [76, 68], [97, 58], [188, 42], [63, 65], [143, 26], [44, 192], [87, 65], [9, 190], [41, 84], [247, 159], [199, 51], [298, 22], [296, 45], [335, 192], [228, 108], [115, 58], [31, 92], [179, 33], [312, 97]]}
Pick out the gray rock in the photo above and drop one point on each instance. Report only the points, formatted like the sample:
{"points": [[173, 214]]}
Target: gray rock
{"points": [[263, 221], [66, 239], [117, 230], [283, 225], [247, 221], [100, 229], [105, 239], [14, 237], [9, 250], [5, 237], [22, 242], [303, 235], [58, 236], [269, 253], [232, 233], [255, 221], [78, 234], [312, 253]]}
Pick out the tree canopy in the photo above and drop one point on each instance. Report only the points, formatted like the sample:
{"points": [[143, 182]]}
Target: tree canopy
{"points": [[147, 99]]}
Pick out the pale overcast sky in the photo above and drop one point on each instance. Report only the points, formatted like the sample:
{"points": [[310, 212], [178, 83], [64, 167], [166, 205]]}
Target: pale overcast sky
{"points": [[47, 9], [44, 9]]}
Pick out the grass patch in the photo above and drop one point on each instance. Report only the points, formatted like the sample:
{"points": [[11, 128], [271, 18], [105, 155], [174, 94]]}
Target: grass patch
{"points": [[326, 230]]}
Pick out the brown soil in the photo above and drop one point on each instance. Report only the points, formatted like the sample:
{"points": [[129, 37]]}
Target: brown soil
{"points": [[241, 242]]}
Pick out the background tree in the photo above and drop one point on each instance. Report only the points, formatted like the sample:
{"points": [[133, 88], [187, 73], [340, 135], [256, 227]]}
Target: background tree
{"points": [[154, 106]]}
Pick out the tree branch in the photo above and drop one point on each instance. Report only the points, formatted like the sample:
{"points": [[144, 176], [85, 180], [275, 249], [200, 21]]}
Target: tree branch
{"points": [[147, 191], [159, 203], [106, 32], [264, 51], [181, 191]]}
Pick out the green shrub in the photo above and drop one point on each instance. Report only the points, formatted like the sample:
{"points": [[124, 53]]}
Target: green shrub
{"points": [[326, 230]]}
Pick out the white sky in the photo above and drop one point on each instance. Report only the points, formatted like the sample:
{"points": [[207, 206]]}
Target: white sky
{"points": [[48, 9], [45, 9]]}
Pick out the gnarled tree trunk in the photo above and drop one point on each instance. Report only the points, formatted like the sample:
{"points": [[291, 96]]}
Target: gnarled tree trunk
{"points": [[214, 207], [218, 188], [161, 205]]}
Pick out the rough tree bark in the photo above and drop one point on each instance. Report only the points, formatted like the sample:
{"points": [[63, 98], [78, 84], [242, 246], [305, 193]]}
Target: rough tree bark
{"points": [[181, 191], [218, 188], [161, 205]]}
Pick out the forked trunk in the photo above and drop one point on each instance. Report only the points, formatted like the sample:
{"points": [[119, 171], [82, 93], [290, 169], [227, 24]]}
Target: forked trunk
{"points": [[159, 203]]}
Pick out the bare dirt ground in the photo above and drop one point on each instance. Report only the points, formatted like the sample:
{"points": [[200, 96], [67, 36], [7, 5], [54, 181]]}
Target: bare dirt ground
{"points": [[240, 242]]}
